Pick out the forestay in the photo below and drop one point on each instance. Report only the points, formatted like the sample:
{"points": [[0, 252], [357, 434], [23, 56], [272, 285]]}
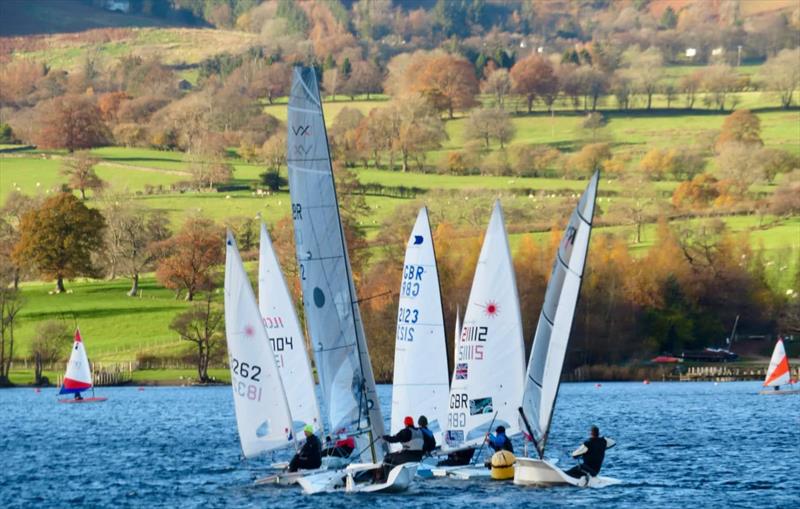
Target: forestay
{"points": [[778, 373], [286, 338], [555, 319], [78, 377], [329, 297], [420, 354], [262, 414], [490, 362]]}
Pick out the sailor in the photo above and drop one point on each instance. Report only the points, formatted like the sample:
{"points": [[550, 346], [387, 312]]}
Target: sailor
{"points": [[412, 441], [499, 441], [592, 451], [309, 456], [429, 441], [458, 458], [339, 449], [78, 396]]}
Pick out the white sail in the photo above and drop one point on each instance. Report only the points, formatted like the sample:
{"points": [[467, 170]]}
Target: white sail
{"points": [[778, 373], [329, 296], [555, 321], [286, 337], [457, 332], [490, 364], [78, 377], [420, 353], [262, 414]]}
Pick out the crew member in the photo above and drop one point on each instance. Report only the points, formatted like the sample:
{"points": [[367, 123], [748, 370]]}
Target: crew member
{"points": [[78, 396], [458, 458], [593, 451], [412, 441], [339, 449], [429, 441], [309, 456], [499, 441]]}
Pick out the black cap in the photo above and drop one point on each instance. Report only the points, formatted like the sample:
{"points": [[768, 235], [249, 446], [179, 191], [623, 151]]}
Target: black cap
{"points": [[500, 429], [422, 421]]}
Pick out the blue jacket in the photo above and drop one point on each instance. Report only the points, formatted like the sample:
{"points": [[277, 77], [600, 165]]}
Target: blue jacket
{"points": [[500, 442]]}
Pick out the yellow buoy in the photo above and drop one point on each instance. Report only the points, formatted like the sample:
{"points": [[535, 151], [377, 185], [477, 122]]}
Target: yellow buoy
{"points": [[503, 465]]}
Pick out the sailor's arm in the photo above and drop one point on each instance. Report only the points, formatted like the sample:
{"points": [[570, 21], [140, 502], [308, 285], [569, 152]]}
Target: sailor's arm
{"points": [[580, 451], [610, 442]]}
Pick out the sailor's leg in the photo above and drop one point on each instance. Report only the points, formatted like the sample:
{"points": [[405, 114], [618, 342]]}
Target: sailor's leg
{"points": [[576, 472]]}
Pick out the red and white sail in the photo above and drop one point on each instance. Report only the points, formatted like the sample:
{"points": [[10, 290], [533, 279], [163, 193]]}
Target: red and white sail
{"points": [[79, 375], [778, 372]]}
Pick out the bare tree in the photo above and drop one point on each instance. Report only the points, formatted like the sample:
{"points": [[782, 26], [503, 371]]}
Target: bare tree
{"points": [[202, 325], [488, 124], [49, 344], [80, 170], [11, 302], [499, 85]]}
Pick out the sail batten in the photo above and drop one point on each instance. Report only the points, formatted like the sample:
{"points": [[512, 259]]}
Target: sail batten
{"points": [[555, 319], [420, 360], [329, 297]]}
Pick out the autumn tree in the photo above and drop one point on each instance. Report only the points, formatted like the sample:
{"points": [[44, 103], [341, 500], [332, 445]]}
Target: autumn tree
{"points": [[449, 82], [718, 82], [418, 129], [741, 126], [741, 163], [658, 163], [132, 232], [497, 84], [273, 81], [273, 153], [689, 85], [50, 342], [699, 192], [72, 122], [79, 168], [206, 159], [588, 159], [781, 74], [365, 78], [640, 203], [487, 124], [534, 77], [343, 135], [59, 237], [188, 258], [203, 325], [645, 69]]}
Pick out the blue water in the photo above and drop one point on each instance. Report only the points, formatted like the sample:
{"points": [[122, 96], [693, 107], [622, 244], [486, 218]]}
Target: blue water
{"points": [[679, 445]]}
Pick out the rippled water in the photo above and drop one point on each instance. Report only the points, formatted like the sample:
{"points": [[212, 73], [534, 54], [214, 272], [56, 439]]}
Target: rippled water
{"points": [[690, 444]]}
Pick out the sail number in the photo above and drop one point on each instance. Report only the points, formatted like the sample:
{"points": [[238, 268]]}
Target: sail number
{"points": [[408, 315], [297, 211], [457, 419], [405, 333], [412, 274], [245, 370]]}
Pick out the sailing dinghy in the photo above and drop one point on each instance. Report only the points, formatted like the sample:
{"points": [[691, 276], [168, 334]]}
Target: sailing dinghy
{"points": [[779, 373], [420, 385], [489, 370], [550, 347], [262, 412], [329, 299], [78, 377]]}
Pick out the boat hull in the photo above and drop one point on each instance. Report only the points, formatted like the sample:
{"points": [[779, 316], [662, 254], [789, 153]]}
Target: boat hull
{"points": [[463, 473], [398, 480], [84, 400], [542, 473], [785, 392]]}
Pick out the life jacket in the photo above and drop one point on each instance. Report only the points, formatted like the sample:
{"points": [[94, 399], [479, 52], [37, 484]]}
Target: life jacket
{"points": [[416, 442]]}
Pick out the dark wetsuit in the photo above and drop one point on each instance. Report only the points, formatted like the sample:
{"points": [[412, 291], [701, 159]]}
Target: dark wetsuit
{"points": [[309, 457], [595, 452], [457, 458], [413, 442]]}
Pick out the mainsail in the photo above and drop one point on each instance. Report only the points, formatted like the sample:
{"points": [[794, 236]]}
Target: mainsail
{"points": [[286, 337], [490, 362], [456, 333], [555, 320], [329, 296], [420, 353], [78, 377], [262, 413], [778, 372]]}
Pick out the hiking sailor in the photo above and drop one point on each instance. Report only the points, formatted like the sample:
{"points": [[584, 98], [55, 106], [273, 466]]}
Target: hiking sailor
{"points": [[429, 441], [412, 441], [592, 452]]}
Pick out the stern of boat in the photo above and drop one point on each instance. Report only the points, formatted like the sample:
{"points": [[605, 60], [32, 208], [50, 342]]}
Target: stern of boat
{"points": [[534, 472]]}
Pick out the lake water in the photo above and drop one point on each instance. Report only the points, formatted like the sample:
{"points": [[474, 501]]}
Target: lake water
{"points": [[679, 445]]}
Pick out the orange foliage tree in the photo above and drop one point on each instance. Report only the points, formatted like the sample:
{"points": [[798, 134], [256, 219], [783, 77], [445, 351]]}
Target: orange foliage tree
{"points": [[450, 83], [190, 256]]}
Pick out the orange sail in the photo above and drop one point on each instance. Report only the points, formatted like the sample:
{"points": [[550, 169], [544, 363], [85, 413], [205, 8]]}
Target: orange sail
{"points": [[778, 372]]}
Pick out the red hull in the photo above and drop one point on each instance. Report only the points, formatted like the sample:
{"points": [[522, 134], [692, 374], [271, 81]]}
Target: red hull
{"points": [[84, 400]]}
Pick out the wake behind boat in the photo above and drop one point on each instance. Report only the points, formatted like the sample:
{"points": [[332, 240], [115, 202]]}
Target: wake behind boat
{"points": [[78, 377]]}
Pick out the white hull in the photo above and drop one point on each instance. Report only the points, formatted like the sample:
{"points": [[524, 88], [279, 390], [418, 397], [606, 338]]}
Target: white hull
{"points": [[399, 479], [286, 478], [533, 472], [781, 392], [463, 473]]}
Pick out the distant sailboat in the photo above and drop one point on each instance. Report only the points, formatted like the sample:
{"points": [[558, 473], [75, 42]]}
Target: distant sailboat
{"points": [[287, 339], [329, 298], [421, 383], [550, 344], [262, 412], [779, 373], [78, 377], [489, 369]]}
